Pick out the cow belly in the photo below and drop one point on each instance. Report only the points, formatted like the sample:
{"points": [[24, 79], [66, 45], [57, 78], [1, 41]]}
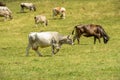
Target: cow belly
{"points": [[44, 38], [44, 43]]}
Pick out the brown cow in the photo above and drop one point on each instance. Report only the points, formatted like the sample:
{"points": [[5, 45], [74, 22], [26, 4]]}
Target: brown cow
{"points": [[59, 11], [90, 30]]}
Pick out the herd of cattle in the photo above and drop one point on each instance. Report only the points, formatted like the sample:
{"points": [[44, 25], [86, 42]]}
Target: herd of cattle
{"points": [[55, 39]]}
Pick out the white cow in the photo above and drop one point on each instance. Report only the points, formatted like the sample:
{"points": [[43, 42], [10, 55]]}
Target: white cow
{"points": [[46, 39], [59, 11], [41, 19], [29, 6], [5, 12]]}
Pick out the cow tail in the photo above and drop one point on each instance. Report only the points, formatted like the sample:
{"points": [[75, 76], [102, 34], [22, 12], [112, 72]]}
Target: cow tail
{"points": [[73, 32], [74, 29]]}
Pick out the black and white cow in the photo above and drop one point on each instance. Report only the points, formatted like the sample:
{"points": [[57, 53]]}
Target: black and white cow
{"points": [[59, 11], [5, 12], [41, 19], [46, 39], [29, 6]]}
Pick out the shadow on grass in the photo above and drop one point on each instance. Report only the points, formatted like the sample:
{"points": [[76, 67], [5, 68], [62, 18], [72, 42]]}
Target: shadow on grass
{"points": [[43, 56], [21, 12], [55, 19], [2, 20], [51, 55], [81, 44]]}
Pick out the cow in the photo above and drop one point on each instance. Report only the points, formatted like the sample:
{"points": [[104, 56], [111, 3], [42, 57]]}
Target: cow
{"points": [[5, 12], [59, 11], [90, 30], [41, 19], [2, 4], [46, 39], [29, 6]]}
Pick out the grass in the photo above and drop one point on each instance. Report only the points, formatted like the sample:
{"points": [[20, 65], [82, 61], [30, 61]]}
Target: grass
{"points": [[78, 62]]}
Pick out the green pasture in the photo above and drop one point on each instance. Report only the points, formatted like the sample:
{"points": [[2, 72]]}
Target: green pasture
{"points": [[85, 61]]}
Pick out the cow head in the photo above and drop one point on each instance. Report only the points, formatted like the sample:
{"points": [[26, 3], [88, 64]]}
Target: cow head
{"points": [[67, 40], [62, 12], [62, 15]]}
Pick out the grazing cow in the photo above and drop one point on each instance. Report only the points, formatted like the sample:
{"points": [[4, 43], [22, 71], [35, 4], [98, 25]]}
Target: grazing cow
{"points": [[5, 12], [29, 6], [41, 19], [59, 11], [2, 4], [45, 39], [90, 30]]}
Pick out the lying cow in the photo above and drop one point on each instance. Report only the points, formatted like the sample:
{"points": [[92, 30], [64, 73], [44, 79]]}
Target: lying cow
{"points": [[41, 19], [29, 6], [59, 11], [45, 39], [2, 4], [5, 12]]}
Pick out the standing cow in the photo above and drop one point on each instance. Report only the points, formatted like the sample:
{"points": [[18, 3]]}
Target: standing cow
{"points": [[90, 30], [41, 19], [29, 6], [5, 12], [59, 11], [45, 39]]}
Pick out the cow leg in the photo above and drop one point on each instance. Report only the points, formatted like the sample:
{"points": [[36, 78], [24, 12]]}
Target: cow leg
{"points": [[78, 40], [54, 13], [46, 22], [57, 50], [99, 40], [22, 8], [30, 8], [10, 16], [94, 40], [74, 38], [27, 49], [98, 37], [34, 8], [53, 49], [39, 54], [53, 44]]}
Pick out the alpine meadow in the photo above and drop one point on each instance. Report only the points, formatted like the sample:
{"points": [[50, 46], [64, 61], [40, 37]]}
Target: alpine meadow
{"points": [[84, 61]]}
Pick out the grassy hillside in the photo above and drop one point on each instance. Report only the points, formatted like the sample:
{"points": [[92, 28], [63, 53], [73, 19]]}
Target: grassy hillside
{"points": [[78, 62]]}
